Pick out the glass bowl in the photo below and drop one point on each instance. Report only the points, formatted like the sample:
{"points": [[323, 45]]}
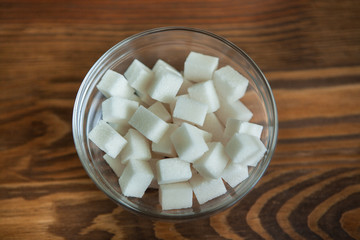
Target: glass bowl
{"points": [[171, 44]]}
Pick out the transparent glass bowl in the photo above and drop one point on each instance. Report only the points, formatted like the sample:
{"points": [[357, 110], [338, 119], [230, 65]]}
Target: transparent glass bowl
{"points": [[171, 44]]}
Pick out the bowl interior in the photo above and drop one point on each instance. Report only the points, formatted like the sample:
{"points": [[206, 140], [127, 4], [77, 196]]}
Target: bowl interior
{"points": [[171, 45]]}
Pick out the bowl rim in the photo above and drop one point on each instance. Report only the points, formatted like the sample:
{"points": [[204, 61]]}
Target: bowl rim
{"points": [[85, 85]]}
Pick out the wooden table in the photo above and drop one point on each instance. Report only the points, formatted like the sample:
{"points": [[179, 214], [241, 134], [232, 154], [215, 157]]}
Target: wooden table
{"points": [[310, 53]]}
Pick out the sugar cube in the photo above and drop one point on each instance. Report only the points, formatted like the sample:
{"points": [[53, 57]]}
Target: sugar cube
{"points": [[206, 135], [162, 64], [137, 147], [152, 162], [140, 77], [136, 178], [190, 110], [135, 98], [159, 110], [253, 160], [114, 84], [146, 100], [230, 84], [241, 147], [237, 126], [115, 109], [148, 124], [165, 85], [121, 126], [232, 127], [184, 87], [235, 173], [214, 126], [165, 146], [175, 196], [204, 92], [171, 170], [235, 110], [107, 139], [188, 143], [206, 189], [199, 67], [115, 164], [251, 129], [213, 162], [173, 103]]}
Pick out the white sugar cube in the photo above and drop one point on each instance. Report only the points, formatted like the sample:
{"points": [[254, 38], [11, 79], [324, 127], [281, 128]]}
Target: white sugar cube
{"points": [[121, 126], [214, 126], [162, 64], [173, 103], [137, 148], [230, 84], [206, 135], [253, 160], [148, 124], [241, 147], [115, 164], [165, 85], [235, 173], [115, 109], [251, 129], [114, 84], [135, 98], [189, 144], [237, 126], [190, 110], [213, 162], [175, 196], [204, 92], [159, 110], [235, 110], [140, 77], [152, 162], [165, 146], [184, 87], [171, 170], [232, 127], [136, 178], [206, 189], [146, 100], [107, 139], [199, 67]]}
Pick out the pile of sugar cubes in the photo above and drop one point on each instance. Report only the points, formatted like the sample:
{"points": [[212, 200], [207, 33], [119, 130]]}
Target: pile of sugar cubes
{"points": [[181, 133]]}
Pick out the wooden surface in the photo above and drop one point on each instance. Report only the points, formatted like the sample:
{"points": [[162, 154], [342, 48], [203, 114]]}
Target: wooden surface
{"points": [[310, 53]]}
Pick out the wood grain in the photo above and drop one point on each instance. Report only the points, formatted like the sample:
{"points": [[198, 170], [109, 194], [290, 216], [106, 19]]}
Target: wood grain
{"points": [[310, 53]]}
